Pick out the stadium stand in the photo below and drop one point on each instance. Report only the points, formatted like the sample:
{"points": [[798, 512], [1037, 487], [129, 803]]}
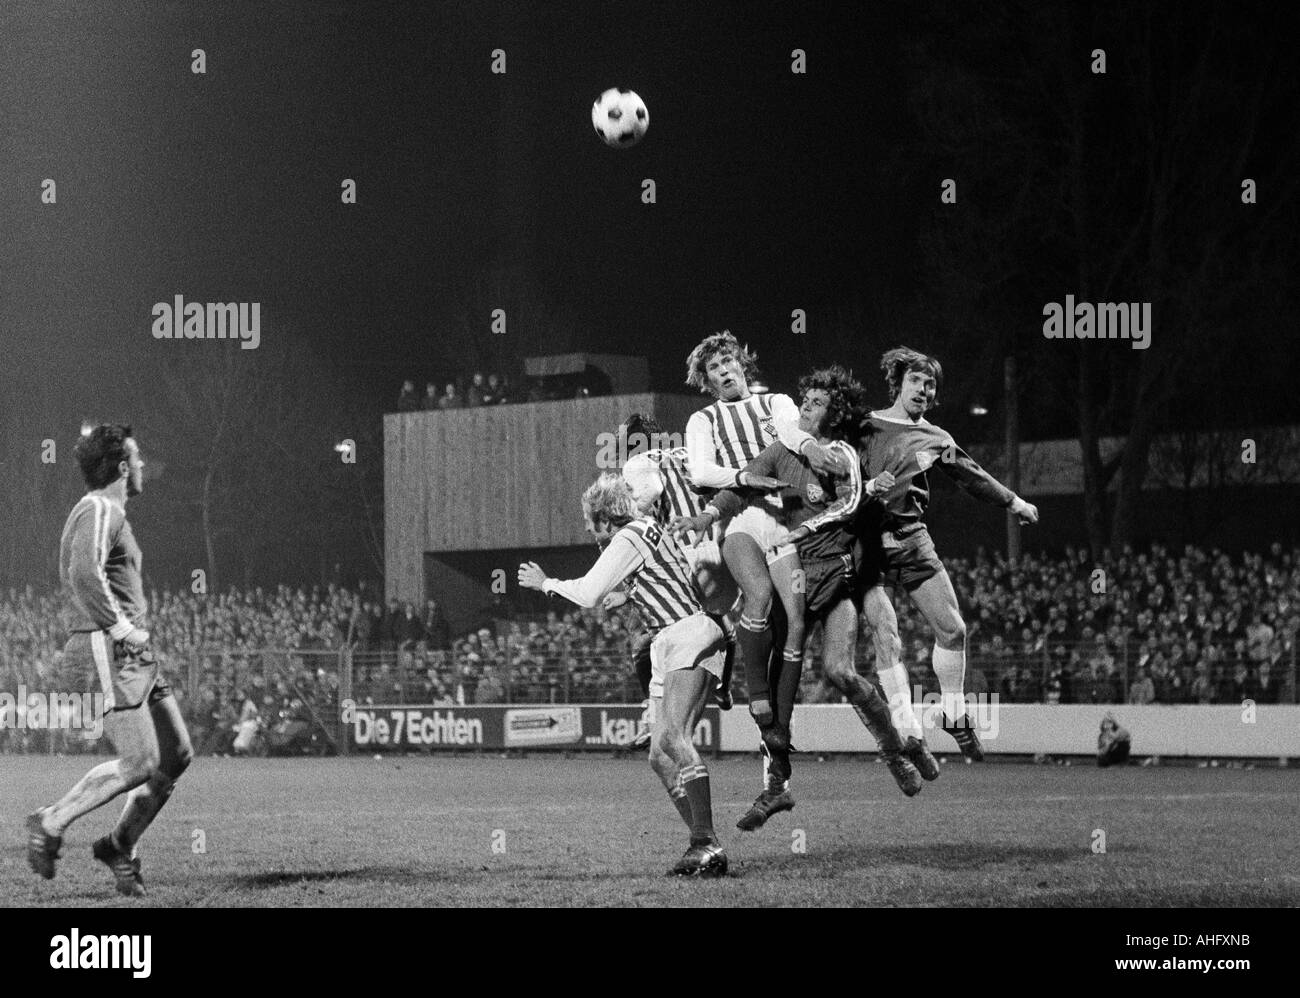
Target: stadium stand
{"points": [[1195, 626]]}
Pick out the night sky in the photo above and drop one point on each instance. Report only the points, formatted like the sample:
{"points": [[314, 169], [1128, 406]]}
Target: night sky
{"points": [[226, 186], [478, 191]]}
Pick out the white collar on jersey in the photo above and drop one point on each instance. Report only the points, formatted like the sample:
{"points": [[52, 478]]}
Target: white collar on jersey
{"points": [[880, 415]]}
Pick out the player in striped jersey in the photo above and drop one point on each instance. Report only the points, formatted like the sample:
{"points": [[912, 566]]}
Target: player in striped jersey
{"points": [[686, 653], [661, 485], [721, 439], [99, 565], [817, 512], [900, 440]]}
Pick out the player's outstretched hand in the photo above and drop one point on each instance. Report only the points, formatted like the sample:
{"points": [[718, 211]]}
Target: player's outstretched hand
{"points": [[137, 641], [683, 526], [613, 600], [1026, 511], [531, 575], [881, 484], [823, 460]]}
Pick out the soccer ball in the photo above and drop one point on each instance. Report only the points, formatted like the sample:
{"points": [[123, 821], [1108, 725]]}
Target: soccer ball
{"points": [[620, 117]]}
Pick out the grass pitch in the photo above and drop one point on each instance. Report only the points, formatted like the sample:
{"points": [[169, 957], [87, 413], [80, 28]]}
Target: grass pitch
{"points": [[600, 831]]}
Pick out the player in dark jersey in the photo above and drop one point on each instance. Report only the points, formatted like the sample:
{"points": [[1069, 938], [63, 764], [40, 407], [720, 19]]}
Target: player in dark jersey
{"points": [[816, 513], [721, 439], [108, 653], [900, 440], [686, 653]]}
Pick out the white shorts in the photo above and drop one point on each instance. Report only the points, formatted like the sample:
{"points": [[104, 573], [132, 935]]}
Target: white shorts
{"points": [[718, 590], [761, 525], [695, 641]]}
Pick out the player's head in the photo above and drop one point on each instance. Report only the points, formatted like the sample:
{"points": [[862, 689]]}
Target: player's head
{"points": [[913, 378], [831, 402], [607, 505], [108, 452], [721, 367], [640, 432]]}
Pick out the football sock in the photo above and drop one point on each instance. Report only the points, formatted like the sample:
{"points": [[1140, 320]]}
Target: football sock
{"points": [[755, 640], [950, 670], [142, 806], [893, 681], [682, 803], [786, 687], [96, 788], [874, 713], [695, 780]]}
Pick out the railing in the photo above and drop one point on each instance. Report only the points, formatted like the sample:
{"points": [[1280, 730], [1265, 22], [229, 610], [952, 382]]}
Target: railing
{"points": [[302, 695]]}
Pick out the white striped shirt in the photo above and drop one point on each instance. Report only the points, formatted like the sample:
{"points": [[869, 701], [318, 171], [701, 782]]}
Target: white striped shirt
{"points": [[645, 556], [661, 485], [724, 437]]}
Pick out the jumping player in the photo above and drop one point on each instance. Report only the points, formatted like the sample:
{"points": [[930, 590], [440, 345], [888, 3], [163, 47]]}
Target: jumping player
{"points": [[900, 440], [686, 653], [819, 510], [99, 565], [721, 439]]}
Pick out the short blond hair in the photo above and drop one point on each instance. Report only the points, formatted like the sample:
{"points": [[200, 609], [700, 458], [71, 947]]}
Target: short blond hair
{"points": [[608, 500]]}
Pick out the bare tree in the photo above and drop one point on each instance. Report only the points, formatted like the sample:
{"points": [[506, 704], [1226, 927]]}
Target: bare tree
{"points": [[1119, 187]]}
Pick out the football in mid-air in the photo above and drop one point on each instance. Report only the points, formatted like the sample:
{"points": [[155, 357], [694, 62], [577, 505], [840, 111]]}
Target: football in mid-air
{"points": [[620, 117]]}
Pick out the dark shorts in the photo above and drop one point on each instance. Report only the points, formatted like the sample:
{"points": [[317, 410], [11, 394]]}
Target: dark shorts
{"points": [[94, 663], [826, 583], [906, 561]]}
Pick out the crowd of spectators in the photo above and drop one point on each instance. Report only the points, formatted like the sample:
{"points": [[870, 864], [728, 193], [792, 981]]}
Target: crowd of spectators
{"points": [[1196, 626], [497, 389]]}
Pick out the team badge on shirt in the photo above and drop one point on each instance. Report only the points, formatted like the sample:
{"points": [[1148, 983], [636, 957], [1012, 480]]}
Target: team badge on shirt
{"points": [[925, 459], [815, 492]]}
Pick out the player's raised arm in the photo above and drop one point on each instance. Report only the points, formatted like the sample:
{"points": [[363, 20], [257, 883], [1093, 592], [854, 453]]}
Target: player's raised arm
{"points": [[618, 561], [94, 531], [975, 481], [701, 458]]}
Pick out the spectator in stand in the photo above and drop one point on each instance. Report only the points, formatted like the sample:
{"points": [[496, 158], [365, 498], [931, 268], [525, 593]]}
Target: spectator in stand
{"points": [[1266, 684], [496, 390], [474, 394], [430, 400], [436, 628], [409, 630], [449, 399], [390, 628], [1142, 690], [489, 689], [1203, 691], [1243, 686], [408, 400]]}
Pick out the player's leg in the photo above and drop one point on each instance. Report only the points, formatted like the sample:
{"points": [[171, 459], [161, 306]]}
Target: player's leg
{"points": [[748, 567], [642, 667], [146, 800], [664, 765], [692, 662], [132, 733], [788, 669], [908, 763], [937, 601], [878, 611]]}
